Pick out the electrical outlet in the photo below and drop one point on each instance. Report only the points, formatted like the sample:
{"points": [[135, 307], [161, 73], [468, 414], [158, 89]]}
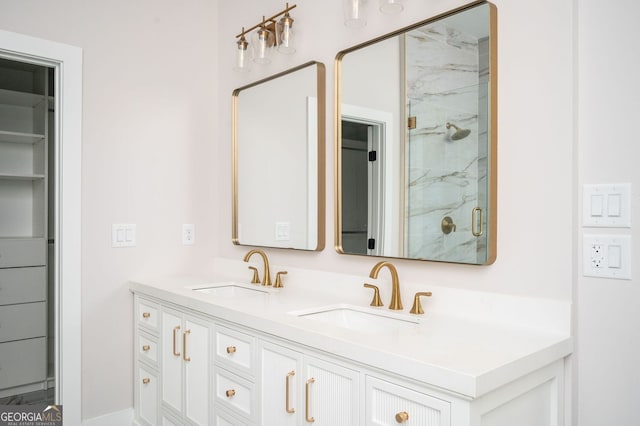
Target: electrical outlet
{"points": [[607, 256], [188, 234]]}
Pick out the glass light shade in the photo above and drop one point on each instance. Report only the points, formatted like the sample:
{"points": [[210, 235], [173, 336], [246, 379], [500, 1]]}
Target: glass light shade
{"points": [[391, 6], [242, 56], [262, 45], [354, 13], [285, 35]]}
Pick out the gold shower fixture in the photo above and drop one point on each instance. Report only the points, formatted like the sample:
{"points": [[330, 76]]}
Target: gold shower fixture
{"points": [[269, 34]]}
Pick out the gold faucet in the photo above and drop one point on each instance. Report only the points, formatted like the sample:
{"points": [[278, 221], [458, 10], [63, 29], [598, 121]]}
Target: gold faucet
{"points": [[266, 278], [396, 300]]}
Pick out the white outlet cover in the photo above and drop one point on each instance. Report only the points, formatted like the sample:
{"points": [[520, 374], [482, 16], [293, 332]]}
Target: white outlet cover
{"points": [[188, 234], [607, 256]]}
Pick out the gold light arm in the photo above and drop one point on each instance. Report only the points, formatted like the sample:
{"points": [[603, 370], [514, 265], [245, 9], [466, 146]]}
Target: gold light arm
{"points": [[306, 401], [176, 328], [270, 19], [290, 410], [184, 346]]}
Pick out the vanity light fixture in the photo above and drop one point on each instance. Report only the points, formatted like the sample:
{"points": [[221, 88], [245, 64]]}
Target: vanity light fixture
{"points": [[355, 10], [268, 34]]}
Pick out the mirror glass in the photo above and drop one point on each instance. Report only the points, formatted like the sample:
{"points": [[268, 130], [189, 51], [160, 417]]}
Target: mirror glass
{"points": [[278, 160], [416, 141]]}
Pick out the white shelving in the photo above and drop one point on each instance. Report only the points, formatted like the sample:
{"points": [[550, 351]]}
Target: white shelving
{"points": [[24, 132]]}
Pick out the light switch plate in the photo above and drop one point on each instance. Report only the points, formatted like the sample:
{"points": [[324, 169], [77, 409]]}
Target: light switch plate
{"points": [[607, 256], [123, 235], [607, 205]]}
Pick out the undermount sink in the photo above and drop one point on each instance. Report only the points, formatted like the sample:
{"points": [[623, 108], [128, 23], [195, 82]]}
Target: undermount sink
{"points": [[359, 318], [231, 290]]}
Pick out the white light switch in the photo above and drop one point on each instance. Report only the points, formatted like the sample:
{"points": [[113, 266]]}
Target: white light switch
{"points": [[123, 235], [607, 256], [607, 205]]}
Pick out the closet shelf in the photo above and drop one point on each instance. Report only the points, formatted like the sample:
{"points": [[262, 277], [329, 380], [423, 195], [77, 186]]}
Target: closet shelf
{"points": [[21, 176], [13, 98], [19, 137]]}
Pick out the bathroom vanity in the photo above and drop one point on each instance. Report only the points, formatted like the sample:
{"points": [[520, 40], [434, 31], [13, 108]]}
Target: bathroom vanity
{"points": [[224, 352]]}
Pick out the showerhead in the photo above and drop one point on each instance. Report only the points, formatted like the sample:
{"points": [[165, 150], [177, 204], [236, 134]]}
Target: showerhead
{"points": [[459, 133]]}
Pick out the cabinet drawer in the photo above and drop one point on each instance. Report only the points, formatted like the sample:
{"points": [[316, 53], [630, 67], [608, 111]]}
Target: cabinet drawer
{"points": [[234, 393], [23, 321], [388, 404], [23, 285], [148, 349], [235, 349], [147, 314], [23, 362], [221, 418], [147, 389], [18, 252]]}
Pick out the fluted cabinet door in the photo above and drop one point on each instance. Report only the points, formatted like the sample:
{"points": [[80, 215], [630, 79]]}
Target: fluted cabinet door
{"points": [[388, 404], [280, 368], [197, 372], [332, 391], [172, 361]]}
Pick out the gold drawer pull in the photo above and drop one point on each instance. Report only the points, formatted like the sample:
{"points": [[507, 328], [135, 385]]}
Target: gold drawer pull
{"points": [[176, 328], [146, 348], [306, 402], [184, 346], [146, 380], [287, 407], [230, 393], [402, 417], [231, 349], [146, 314]]}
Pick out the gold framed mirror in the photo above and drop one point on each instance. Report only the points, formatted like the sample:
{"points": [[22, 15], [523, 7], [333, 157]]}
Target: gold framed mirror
{"points": [[279, 160], [416, 141]]}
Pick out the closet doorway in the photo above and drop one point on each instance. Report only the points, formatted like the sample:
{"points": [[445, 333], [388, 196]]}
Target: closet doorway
{"points": [[27, 234], [25, 175]]}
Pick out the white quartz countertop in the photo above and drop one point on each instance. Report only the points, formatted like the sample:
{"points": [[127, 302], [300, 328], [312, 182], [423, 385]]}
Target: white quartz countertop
{"points": [[449, 349]]}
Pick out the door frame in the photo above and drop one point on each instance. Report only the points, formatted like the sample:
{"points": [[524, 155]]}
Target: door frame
{"points": [[67, 62]]}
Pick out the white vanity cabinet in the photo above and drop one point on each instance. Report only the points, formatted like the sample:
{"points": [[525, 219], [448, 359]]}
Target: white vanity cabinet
{"points": [[185, 365], [299, 388], [217, 366]]}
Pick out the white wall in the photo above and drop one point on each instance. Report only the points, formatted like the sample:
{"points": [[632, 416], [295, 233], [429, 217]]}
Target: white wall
{"points": [[608, 314], [148, 137]]}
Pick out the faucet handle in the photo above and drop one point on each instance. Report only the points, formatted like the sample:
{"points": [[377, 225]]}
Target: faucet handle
{"points": [[376, 301], [278, 283], [417, 306], [256, 277]]}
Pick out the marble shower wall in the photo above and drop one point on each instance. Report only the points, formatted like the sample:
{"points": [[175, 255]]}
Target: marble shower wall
{"points": [[445, 83]]}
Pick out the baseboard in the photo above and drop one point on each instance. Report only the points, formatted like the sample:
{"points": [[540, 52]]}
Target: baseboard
{"points": [[124, 417]]}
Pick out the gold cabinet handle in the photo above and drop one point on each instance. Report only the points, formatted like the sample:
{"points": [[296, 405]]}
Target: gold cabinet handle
{"points": [[376, 301], [176, 328], [417, 306], [146, 314], [475, 223], [184, 345], [290, 410], [146, 348], [230, 393], [146, 380], [306, 402], [231, 349], [402, 417]]}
